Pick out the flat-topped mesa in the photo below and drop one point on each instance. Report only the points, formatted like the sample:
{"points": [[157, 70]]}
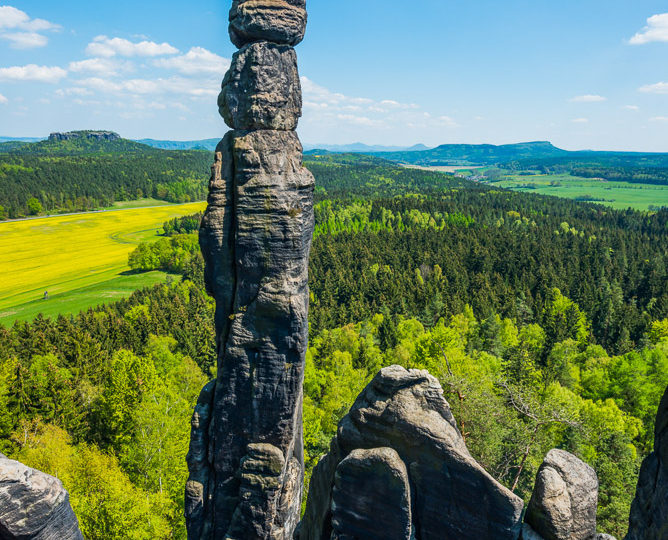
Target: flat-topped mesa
{"points": [[246, 451]]}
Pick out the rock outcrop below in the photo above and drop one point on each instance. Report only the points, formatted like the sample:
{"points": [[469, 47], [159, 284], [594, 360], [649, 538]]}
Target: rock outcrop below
{"points": [[649, 512], [34, 505], [450, 495], [246, 450], [92, 135], [564, 501]]}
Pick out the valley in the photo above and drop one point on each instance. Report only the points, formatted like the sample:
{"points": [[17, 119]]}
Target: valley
{"points": [[80, 259]]}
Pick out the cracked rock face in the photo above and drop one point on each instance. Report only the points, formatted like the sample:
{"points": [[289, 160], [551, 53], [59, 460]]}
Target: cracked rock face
{"points": [[34, 505], [278, 21], [262, 89], [450, 495], [649, 511], [246, 450], [564, 501]]}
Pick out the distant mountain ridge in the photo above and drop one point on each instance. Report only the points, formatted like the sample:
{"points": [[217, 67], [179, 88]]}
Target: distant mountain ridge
{"points": [[476, 154], [361, 148], [203, 144]]}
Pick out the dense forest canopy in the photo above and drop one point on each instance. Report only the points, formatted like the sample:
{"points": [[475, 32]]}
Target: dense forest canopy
{"points": [[505, 297], [84, 174]]}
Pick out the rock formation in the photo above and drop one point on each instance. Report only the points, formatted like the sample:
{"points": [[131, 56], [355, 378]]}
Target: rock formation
{"points": [[34, 505], [649, 512], [564, 500], [398, 468], [91, 135], [246, 451]]}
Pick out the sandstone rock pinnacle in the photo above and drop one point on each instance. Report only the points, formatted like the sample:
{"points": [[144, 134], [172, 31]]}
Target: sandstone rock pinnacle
{"points": [[399, 468], [649, 512], [34, 505], [246, 449]]}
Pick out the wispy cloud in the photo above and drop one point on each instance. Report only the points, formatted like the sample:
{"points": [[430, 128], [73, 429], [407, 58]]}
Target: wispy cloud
{"points": [[659, 119], [32, 72], [196, 61], [580, 120], [631, 107], [325, 107], [588, 98], [656, 30], [3, 100], [106, 47], [658, 88], [21, 31], [171, 85], [107, 67]]}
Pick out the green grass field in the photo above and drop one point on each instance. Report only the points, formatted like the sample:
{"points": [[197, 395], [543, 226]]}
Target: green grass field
{"points": [[616, 194], [81, 260]]}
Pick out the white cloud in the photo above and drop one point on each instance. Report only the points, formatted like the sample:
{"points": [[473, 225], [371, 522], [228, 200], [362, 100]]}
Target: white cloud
{"points": [[32, 72], [588, 98], [25, 40], [631, 107], [141, 87], [107, 47], [658, 88], [75, 91], [580, 120], [322, 107], [101, 66], [3, 100], [656, 30], [659, 119], [21, 31], [196, 61]]}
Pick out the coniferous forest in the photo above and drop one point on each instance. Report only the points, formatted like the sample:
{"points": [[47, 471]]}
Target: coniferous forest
{"points": [[546, 321]]}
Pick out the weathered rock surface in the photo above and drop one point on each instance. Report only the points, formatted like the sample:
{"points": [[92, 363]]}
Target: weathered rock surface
{"points": [[246, 451], [649, 512], [278, 21], [564, 501], [34, 505], [371, 497], [262, 89], [451, 495]]}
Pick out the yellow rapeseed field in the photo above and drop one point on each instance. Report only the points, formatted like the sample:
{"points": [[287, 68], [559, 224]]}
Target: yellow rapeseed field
{"points": [[64, 253]]}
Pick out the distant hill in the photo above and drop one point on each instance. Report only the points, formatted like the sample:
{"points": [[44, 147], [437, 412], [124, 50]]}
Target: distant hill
{"points": [[20, 139], [204, 144], [76, 143], [86, 170], [362, 148], [475, 154]]}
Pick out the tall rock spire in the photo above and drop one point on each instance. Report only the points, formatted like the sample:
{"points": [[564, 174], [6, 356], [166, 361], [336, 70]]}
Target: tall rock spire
{"points": [[246, 449]]}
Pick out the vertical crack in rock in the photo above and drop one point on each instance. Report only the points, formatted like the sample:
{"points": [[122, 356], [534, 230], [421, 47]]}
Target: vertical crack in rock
{"points": [[246, 449]]}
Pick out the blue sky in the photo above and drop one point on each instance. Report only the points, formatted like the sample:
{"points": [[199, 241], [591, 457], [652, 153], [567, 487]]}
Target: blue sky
{"points": [[582, 74]]}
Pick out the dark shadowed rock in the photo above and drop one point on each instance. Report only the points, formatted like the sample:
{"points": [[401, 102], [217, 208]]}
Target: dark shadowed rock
{"points": [[649, 511], [452, 495], [262, 89], [34, 505], [371, 497], [278, 21], [564, 501]]}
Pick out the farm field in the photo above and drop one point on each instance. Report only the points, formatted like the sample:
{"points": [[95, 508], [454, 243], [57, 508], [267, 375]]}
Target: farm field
{"points": [[619, 195], [80, 260]]}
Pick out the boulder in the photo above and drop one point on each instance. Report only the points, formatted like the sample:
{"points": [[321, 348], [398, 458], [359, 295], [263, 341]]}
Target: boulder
{"points": [[34, 505], [279, 21], [649, 511], [451, 495], [564, 501], [261, 90], [371, 497]]}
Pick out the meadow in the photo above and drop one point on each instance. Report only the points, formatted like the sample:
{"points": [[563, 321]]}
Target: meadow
{"points": [[619, 195], [81, 260]]}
